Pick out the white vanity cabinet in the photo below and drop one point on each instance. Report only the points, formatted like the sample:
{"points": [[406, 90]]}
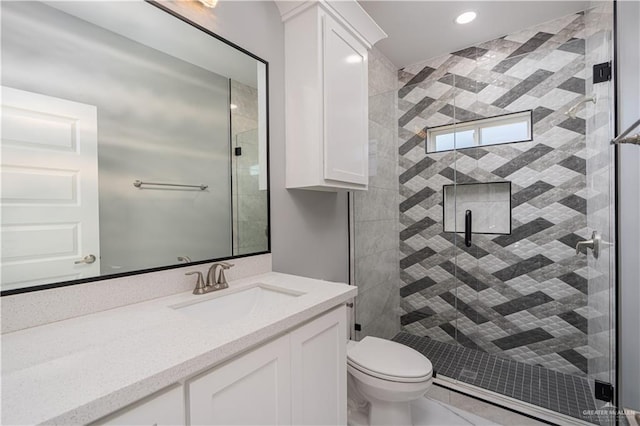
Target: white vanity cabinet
{"points": [[281, 359], [326, 94], [299, 378], [319, 370], [164, 408], [252, 389]]}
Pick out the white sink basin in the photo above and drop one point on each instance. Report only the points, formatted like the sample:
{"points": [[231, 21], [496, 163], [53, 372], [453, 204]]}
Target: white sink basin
{"points": [[230, 305]]}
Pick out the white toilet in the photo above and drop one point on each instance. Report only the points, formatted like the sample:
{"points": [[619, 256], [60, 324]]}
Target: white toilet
{"points": [[384, 377]]}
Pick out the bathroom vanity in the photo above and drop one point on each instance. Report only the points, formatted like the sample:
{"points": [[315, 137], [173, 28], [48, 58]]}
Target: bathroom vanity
{"points": [[270, 349]]}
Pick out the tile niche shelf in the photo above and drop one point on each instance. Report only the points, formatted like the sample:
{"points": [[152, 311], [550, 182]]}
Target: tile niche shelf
{"points": [[490, 204]]}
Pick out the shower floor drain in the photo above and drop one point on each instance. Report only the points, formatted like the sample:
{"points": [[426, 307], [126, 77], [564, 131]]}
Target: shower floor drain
{"points": [[468, 374]]}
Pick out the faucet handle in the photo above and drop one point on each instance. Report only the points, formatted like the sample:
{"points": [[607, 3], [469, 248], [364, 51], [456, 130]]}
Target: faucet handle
{"points": [[222, 280], [226, 265], [200, 285]]}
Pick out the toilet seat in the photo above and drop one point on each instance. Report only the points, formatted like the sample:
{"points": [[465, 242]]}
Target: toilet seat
{"points": [[390, 361]]}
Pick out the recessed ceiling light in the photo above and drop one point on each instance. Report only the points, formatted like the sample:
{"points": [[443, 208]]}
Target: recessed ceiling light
{"points": [[466, 17]]}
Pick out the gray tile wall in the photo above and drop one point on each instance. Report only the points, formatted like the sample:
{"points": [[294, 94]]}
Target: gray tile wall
{"points": [[376, 211], [523, 296]]}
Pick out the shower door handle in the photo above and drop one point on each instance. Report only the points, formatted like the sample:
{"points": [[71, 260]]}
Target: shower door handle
{"points": [[467, 228]]}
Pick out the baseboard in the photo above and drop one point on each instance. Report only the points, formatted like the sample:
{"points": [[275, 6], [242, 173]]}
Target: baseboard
{"points": [[512, 404]]}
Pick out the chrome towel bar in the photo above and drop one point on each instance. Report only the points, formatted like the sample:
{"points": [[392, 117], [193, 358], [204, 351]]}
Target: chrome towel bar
{"points": [[139, 183], [633, 139]]}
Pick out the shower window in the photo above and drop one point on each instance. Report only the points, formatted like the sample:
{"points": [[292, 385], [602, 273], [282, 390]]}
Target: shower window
{"points": [[507, 128]]}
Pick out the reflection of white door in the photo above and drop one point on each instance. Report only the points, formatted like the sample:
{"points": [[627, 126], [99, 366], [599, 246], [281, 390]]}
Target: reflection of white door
{"points": [[49, 190]]}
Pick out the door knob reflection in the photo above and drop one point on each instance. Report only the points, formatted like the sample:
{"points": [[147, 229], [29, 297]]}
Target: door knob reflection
{"points": [[88, 259]]}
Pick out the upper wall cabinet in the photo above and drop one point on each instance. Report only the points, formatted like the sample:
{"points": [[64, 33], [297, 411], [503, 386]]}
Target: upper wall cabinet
{"points": [[326, 46]]}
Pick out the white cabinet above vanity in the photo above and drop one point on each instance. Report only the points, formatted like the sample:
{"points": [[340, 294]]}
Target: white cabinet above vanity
{"points": [[155, 362], [326, 94]]}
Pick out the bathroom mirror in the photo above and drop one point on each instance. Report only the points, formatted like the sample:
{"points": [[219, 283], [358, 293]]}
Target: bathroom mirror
{"points": [[133, 140]]}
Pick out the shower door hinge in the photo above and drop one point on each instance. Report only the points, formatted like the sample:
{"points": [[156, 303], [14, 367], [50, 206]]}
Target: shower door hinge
{"points": [[357, 327], [604, 391], [237, 151], [601, 72]]}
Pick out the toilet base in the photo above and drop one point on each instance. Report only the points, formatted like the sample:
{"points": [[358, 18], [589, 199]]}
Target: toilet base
{"points": [[384, 413], [375, 412], [427, 412]]}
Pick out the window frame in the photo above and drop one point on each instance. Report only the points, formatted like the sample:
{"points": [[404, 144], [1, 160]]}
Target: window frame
{"points": [[477, 126]]}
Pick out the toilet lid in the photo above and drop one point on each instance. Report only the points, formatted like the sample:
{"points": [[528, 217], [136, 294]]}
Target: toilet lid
{"points": [[389, 360]]}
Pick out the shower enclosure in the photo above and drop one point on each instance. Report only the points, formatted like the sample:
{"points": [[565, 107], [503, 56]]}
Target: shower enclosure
{"points": [[503, 167]]}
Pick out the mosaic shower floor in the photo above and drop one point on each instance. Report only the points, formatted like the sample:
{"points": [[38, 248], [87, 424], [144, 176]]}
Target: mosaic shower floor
{"points": [[562, 393]]}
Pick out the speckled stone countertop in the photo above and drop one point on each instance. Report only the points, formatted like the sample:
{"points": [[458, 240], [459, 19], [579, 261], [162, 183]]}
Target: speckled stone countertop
{"points": [[78, 370]]}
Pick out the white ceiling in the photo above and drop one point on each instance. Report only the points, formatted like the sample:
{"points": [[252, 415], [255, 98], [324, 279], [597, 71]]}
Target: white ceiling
{"points": [[420, 30]]}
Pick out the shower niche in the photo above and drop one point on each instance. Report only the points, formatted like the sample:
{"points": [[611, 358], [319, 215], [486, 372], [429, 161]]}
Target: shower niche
{"points": [[489, 204]]}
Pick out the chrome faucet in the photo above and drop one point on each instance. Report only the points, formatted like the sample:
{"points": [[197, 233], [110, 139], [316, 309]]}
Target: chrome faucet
{"points": [[214, 282], [221, 281]]}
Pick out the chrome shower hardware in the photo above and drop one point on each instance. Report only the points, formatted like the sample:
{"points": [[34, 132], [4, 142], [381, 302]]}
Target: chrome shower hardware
{"points": [[622, 137], [571, 112], [593, 244]]}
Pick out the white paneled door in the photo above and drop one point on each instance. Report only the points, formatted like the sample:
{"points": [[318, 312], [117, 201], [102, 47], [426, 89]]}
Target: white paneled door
{"points": [[49, 188]]}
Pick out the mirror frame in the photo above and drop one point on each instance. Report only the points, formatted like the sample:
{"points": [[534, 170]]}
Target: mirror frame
{"points": [[186, 20]]}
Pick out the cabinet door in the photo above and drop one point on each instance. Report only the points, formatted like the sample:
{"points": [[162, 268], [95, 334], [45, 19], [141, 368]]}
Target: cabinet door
{"points": [[254, 389], [164, 408], [319, 370], [345, 105]]}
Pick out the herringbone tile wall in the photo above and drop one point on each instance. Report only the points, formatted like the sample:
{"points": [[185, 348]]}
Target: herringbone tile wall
{"points": [[524, 295]]}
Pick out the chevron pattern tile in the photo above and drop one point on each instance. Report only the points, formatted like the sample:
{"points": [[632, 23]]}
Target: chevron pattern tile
{"points": [[523, 295]]}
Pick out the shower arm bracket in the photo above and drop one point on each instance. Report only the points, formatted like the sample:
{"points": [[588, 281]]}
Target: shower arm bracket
{"points": [[571, 112]]}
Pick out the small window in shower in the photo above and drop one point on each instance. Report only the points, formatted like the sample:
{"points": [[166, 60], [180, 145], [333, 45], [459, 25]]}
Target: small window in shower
{"points": [[509, 128]]}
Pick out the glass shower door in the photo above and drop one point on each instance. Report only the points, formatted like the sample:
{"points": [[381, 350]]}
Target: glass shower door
{"points": [[601, 217], [507, 306], [475, 206], [535, 319]]}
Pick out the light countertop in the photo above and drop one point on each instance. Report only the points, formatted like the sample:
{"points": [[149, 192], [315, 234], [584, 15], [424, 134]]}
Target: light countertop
{"points": [[78, 370]]}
